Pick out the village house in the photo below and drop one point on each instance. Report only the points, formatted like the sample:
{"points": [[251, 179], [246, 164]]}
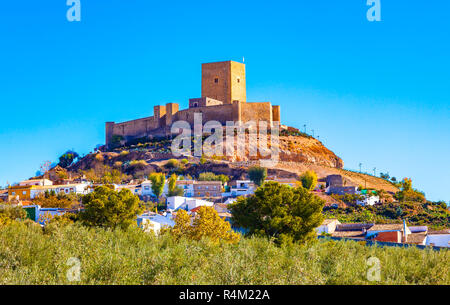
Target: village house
{"points": [[38, 182], [187, 186], [241, 188], [397, 233], [438, 239], [328, 226], [153, 222], [335, 184], [352, 230], [204, 189], [79, 188], [19, 192], [185, 203], [368, 200]]}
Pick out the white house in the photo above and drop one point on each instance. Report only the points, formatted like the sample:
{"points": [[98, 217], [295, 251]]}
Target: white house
{"points": [[146, 189], [79, 188], [368, 200], [177, 202], [134, 188], [230, 201], [37, 182], [242, 188], [438, 240], [328, 226]]}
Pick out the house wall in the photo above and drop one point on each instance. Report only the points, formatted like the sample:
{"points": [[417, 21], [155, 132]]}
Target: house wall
{"points": [[391, 236]]}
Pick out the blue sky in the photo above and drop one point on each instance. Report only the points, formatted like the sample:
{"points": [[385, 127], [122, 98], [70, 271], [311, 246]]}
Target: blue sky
{"points": [[375, 92]]}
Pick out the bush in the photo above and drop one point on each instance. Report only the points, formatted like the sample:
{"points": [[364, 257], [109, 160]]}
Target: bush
{"points": [[281, 212], [171, 164], [309, 180], [208, 176], [206, 224], [257, 174], [110, 209]]}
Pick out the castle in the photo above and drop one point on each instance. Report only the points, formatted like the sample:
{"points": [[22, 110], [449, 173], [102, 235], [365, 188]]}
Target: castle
{"points": [[223, 99]]}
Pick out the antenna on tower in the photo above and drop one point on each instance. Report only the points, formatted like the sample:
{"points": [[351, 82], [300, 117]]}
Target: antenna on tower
{"points": [[243, 59]]}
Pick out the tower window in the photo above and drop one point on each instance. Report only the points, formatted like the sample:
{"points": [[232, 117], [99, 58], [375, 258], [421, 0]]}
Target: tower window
{"points": [[238, 80], [216, 80]]}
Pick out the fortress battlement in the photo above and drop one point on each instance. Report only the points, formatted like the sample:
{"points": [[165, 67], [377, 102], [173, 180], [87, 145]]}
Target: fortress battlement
{"points": [[223, 99]]}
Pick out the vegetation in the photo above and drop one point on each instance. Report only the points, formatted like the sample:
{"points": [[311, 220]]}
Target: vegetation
{"points": [[433, 214], [67, 159], [110, 209], [309, 180], [206, 224], [30, 255], [171, 164], [173, 189], [60, 200], [257, 174], [105, 174], [158, 181], [208, 176], [281, 212]]}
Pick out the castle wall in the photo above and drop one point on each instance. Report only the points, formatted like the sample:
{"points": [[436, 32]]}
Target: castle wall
{"points": [[220, 113], [276, 114], [136, 128], [256, 112]]}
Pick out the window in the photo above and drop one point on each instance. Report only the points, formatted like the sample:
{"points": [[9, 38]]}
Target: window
{"points": [[13, 193], [216, 80], [238, 80], [24, 192]]}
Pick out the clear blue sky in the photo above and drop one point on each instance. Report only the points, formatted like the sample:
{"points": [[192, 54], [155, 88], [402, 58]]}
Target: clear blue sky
{"points": [[377, 93]]}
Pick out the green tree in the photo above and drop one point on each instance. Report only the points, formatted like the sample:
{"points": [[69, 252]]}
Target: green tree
{"points": [[173, 189], [279, 211], [67, 159], [206, 224], [110, 209], [309, 180], [158, 181], [257, 174]]}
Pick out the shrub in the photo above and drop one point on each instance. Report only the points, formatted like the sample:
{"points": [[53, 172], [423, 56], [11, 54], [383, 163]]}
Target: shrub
{"points": [[281, 212], [206, 224], [124, 153], [257, 174], [120, 257], [110, 209], [309, 180], [172, 163]]}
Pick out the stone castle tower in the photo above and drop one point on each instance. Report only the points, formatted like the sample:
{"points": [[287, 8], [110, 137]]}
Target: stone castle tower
{"points": [[223, 98], [224, 81]]}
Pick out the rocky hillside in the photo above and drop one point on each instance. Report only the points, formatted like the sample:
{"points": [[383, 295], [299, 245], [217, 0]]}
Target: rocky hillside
{"points": [[298, 153]]}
